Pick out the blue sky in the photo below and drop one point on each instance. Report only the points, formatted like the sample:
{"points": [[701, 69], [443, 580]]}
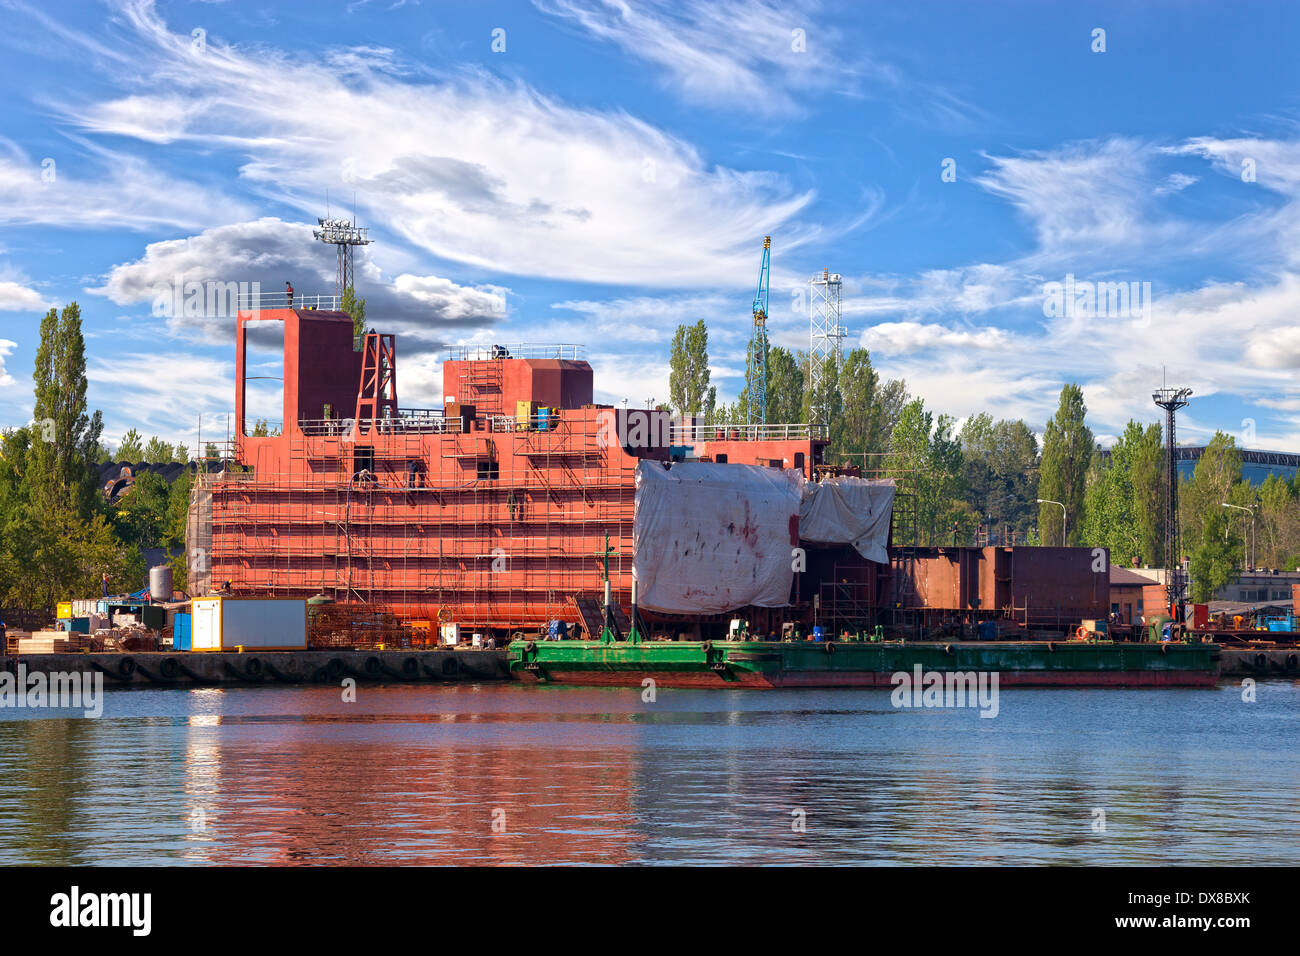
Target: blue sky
{"points": [[611, 172]]}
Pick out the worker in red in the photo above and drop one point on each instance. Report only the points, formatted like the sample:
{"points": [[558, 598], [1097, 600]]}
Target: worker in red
{"points": [[288, 290]]}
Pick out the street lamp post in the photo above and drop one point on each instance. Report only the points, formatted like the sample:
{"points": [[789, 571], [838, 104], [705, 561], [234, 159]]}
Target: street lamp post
{"points": [[1064, 518], [1251, 512]]}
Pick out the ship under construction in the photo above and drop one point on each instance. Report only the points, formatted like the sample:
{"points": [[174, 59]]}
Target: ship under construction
{"points": [[514, 505]]}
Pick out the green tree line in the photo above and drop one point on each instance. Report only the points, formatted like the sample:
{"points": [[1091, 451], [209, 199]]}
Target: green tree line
{"points": [[59, 535], [991, 474]]}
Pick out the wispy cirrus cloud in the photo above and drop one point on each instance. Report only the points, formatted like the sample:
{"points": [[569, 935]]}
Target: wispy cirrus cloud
{"points": [[133, 394], [527, 186], [101, 190], [973, 337], [763, 56], [1085, 193], [757, 54]]}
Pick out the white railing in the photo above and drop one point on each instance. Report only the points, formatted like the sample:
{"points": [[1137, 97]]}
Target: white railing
{"points": [[480, 353], [428, 421], [690, 434], [255, 301]]}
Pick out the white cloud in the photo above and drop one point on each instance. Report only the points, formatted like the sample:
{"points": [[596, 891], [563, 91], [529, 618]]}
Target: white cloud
{"points": [[7, 347], [900, 338], [16, 297], [1275, 164], [269, 251], [761, 56], [640, 319], [1175, 182], [741, 52], [1274, 347], [118, 192], [1086, 194], [472, 169], [132, 394]]}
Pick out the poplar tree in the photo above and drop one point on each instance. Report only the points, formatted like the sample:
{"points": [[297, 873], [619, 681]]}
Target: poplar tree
{"points": [[926, 461], [689, 391], [1067, 454], [869, 409], [354, 306], [66, 439], [784, 387]]}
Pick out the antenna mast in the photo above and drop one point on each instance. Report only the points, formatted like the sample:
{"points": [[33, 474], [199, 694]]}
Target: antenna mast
{"points": [[825, 338]]}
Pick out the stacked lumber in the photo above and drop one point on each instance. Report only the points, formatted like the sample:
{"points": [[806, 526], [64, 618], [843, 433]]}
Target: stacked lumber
{"points": [[46, 642]]}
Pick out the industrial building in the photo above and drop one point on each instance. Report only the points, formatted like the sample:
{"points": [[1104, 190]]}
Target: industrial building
{"points": [[502, 509], [507, 509]]}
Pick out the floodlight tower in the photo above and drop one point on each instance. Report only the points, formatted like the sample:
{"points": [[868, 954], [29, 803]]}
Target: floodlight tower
{"points": [[826, 336], [1172, 399], [344, 236]]}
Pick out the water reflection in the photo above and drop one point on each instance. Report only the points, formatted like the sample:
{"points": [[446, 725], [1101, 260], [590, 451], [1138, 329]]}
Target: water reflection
{"points": [[419, 774]]}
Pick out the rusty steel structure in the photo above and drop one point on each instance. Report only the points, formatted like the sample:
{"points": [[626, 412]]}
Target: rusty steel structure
{"points": [[1034, 588], [497, 511]]}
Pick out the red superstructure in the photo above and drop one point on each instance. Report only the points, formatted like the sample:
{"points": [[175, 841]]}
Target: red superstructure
{"points": [[491, 512]]}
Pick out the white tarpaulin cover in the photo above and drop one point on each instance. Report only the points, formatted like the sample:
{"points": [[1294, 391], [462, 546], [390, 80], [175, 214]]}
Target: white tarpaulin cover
{"points": [[710, 538], [848, 511]]}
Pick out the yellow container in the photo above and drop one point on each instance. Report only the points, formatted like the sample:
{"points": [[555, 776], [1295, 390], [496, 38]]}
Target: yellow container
{"points": [[64, 610], [524, 413]]}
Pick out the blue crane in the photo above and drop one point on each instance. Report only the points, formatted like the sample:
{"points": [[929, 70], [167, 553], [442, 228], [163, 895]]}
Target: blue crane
{"points": [[757, 358]]}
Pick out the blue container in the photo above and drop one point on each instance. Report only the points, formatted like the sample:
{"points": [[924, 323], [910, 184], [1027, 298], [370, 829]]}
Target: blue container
{"points": [[74, 625], [819, 633], [987, 630], [543, 419], [181, 632]]}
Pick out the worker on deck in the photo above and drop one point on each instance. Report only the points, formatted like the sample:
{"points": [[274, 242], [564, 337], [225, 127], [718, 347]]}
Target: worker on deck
{"points": [[288, 291]]}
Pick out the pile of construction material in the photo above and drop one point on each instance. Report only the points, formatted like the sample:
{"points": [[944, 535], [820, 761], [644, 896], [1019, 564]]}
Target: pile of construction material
{"points": [[135, 638], [356, 626], [56, 642], [128, 637]]}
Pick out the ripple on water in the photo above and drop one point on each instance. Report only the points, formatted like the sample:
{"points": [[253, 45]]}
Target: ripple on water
{"points": [[493, 774]]}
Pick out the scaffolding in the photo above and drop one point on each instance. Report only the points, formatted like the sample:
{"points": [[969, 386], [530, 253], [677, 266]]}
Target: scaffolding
{"points": [[467, 515], [855, 595], [494, 526]]}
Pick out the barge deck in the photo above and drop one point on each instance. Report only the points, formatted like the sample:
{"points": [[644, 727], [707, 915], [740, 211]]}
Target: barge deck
{"points": [[863, 664]]}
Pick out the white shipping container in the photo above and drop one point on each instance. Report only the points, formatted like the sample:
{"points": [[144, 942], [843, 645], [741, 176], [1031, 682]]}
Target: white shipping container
{"points": [[223, 624], [451, 634]]}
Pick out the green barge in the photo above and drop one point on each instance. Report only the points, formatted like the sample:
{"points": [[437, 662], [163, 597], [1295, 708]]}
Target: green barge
{"points": [[1072, 663]]}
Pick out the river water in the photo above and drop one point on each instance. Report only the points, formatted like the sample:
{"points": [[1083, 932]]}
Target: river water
{"points": [[505, 773]]}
